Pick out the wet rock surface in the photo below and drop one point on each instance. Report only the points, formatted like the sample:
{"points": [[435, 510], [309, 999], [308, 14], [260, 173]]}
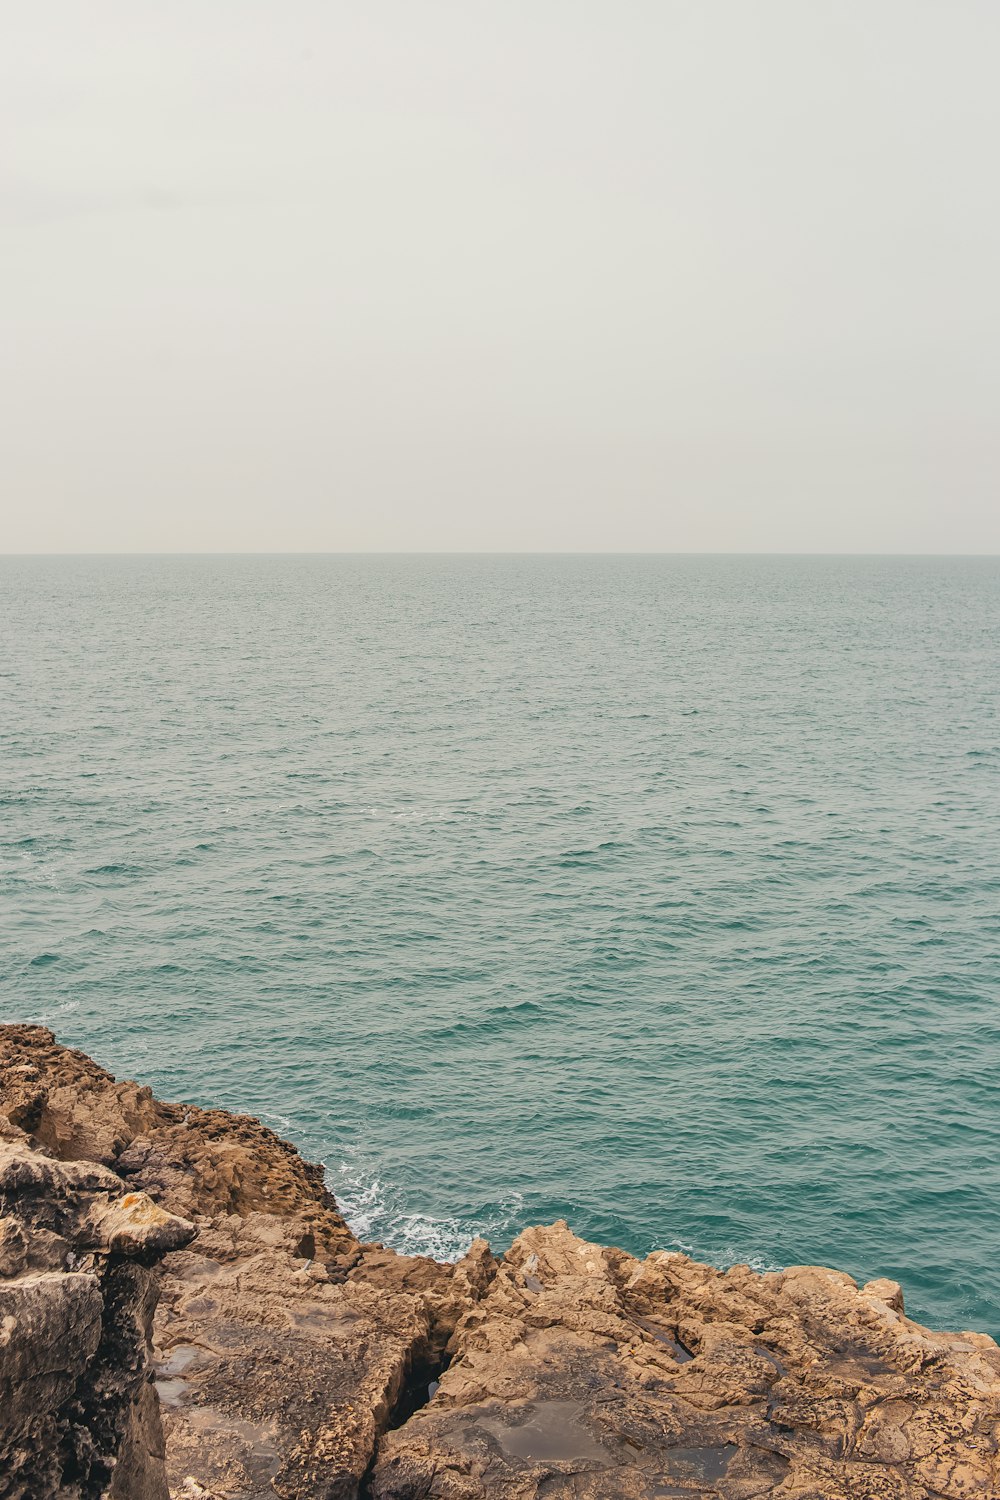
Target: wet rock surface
{"points": [[290, 1359]]}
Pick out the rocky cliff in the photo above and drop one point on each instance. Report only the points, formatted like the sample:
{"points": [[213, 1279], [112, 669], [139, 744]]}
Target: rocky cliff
{"points": [[284, 1357]]}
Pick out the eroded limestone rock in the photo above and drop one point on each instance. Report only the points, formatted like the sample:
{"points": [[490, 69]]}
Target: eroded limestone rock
{"points": [[77, 1413], [585, 1373]]}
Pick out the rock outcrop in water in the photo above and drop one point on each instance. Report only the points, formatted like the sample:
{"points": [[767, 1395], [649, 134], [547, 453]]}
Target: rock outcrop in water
{"points": [[290, 1359]]}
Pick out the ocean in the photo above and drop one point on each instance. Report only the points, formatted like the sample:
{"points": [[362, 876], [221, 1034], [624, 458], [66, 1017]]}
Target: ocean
{"points": [[660, 894]]}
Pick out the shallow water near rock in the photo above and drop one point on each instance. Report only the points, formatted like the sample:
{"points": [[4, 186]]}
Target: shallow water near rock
{"points": [[172, 1392], [702, 1463], [655, 893], [553, 1430]]}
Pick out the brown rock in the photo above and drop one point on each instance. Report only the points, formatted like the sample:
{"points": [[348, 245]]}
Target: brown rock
{"points": [[585, 1373], [77, 1415], [196, 1162]]}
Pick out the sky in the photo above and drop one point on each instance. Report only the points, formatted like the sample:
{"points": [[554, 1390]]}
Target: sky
{"points": [[540, 275]]}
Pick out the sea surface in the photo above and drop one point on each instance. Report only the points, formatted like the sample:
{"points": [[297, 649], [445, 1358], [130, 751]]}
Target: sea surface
{"points": [[661, 894]]}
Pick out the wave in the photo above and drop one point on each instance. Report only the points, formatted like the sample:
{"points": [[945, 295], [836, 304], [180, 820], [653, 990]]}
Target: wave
{"points": [[376, 1209]]}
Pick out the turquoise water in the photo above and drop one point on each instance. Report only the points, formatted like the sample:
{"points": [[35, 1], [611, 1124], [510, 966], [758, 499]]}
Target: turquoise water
{"points": [[657, 893]]}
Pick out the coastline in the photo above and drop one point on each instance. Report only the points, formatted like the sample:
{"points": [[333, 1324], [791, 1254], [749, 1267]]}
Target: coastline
{"points": [[191, 1316]]}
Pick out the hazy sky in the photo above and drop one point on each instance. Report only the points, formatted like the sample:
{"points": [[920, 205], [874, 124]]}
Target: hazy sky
{"points": [[538, 274]]}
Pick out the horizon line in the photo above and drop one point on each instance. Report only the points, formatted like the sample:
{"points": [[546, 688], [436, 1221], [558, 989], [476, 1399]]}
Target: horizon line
{"points": [[483, 552]]}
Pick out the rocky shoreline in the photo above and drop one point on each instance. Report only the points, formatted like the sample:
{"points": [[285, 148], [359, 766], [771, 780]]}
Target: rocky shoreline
{"points": [[184, 1313]]}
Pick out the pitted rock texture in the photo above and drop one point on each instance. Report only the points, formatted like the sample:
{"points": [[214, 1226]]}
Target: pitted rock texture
{"points": [[195, 1161], [77, 1412], [585, 1373], [292, 1360]]}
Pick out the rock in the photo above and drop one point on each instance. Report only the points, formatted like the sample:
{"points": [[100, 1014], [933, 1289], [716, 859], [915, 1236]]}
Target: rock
{"points": [[586, 1373], [77, 1414], [196, 1162], [278, 1376], [292, 1360]]}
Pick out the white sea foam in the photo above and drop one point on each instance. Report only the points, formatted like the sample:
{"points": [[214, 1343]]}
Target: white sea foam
{"points": [[51, 1016], [376, 1210], [730, 1256]]}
